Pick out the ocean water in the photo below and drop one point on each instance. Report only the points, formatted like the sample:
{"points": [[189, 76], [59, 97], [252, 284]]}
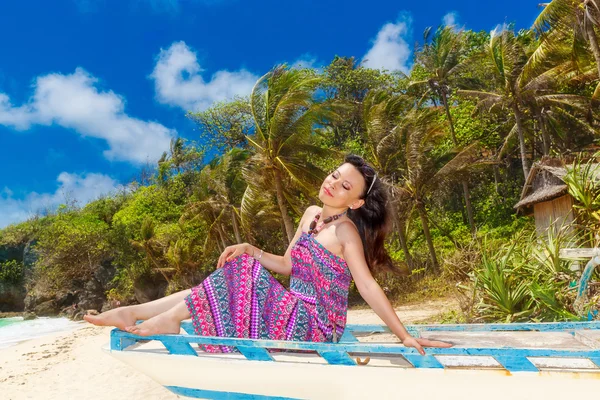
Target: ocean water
{"points": [[15, 330]]}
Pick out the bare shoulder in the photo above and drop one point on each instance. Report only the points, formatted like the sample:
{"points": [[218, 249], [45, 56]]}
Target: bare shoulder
{"points": [[311, 211], [347, 232]]}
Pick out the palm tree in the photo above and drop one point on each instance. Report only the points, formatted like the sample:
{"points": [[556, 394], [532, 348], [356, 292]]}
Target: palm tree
{"points": [[553, 113], [425, 173], [507, 58], [528, 80], [183, 259], [578, 19], [285, 112], [153, 248], [180, 159], [381, 113], [347, 83], [443, 60], [221, 187]]}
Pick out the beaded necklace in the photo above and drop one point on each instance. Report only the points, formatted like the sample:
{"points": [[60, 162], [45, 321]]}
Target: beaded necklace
{"points": [[313, 229]]}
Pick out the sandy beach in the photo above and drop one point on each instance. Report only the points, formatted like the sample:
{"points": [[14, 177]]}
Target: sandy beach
{"points": [[72, 365]]}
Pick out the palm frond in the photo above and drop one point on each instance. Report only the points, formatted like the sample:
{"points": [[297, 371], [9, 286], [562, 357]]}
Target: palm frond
{"points": [[508, 141]]}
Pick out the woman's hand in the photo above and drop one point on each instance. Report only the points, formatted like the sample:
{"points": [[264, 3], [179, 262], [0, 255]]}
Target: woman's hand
{"points": [[232, 252], [419, 343]]}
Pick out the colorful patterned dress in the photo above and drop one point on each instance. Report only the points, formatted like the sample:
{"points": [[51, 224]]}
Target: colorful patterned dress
{"points": [[244, 300]]}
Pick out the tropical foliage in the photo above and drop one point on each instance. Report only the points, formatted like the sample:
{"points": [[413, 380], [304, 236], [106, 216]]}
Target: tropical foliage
{"points": [[453, 140]]}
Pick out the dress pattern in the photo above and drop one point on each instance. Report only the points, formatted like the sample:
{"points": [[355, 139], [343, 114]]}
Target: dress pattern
{"points": [[243, 300]]}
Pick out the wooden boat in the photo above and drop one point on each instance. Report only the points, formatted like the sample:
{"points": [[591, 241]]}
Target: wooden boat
{"points": [[546, 360], [489, 361]]}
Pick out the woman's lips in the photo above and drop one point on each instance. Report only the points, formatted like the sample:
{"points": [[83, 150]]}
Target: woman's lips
{"points": [[328, 192]]}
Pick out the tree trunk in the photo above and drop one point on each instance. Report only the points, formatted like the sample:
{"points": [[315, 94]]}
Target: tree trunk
{"points": [[519, 120], [497, 178], [236, 228], [467, 196], [403, 241], [465, 184], [287, 221], [540, 127], [153, 261], [533, 149], [545, 135], [593, 39], [425, 223], [219, 232], [445, 101], [222, 236]]}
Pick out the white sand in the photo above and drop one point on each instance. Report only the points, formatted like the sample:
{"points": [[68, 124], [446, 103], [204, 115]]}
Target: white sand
{"points": [[72, 365]]}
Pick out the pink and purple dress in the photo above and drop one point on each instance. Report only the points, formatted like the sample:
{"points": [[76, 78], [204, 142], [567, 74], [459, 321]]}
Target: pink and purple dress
{"points": [[244, 300]]}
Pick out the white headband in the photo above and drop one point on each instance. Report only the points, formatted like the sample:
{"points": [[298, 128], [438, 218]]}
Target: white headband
{"points": [[372, 183]]}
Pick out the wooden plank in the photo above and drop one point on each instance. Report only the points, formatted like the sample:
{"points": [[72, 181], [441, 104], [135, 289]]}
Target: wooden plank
{"points": [[121, 343], [188, 328], [579, 253], [515, 363], [527, 326], [563, 363], [544, 216], [348, 337], [387, 338], [468, 362], [326, 349], [426, 361], [521, 340], [589, 338], [337, 357], [179, 347], [255, 353], [562, 210]]}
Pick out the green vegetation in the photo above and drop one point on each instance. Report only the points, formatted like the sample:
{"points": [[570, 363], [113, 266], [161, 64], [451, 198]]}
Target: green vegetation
{"points": [[453, 140], [11, 271]]}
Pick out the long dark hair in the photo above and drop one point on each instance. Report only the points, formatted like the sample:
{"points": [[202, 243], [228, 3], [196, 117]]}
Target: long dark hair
{"points": [[372, 219]]}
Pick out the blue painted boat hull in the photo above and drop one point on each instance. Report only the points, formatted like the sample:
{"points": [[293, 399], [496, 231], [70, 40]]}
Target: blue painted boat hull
{"points": [[552, 359]]}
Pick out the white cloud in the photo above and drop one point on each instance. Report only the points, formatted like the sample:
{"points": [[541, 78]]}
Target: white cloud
{"points": [[17, 117], [498, 29], [390, 48], [178, 80], [306, 61], [71, 187], [73, 101], [450, 19]]}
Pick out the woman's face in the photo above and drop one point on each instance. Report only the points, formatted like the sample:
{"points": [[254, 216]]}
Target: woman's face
{"points": [[343, 187]]}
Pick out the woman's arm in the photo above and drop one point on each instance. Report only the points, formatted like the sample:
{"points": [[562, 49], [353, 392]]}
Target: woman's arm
{"points": [[370, 290], [273, 262]]}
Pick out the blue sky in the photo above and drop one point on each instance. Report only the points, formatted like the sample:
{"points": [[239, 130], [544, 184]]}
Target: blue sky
{"points": [[91, 90]]}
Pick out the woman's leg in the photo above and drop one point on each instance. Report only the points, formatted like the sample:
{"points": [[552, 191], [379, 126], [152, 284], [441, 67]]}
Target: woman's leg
{"points": [[166, 322], [123, 317]]}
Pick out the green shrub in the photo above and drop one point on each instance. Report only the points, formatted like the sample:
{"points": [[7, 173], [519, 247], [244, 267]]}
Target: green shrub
{"points": [[11, 271]]}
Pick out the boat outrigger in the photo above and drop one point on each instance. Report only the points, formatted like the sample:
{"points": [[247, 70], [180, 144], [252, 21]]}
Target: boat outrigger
{"points": [[519, 360]]}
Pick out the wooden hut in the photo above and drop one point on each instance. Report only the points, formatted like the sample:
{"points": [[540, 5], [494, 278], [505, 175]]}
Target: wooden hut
{"points": [[545, 195]]}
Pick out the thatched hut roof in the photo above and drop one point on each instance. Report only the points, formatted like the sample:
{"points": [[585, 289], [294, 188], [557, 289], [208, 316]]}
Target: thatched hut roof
{"points": [[544, 183]]}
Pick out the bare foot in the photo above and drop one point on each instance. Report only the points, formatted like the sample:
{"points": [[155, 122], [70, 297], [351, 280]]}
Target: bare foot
{"points": [[119, 317], [158, 325]]}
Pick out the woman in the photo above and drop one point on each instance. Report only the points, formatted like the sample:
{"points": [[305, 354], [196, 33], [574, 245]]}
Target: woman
{"points": [[342, 241]]}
